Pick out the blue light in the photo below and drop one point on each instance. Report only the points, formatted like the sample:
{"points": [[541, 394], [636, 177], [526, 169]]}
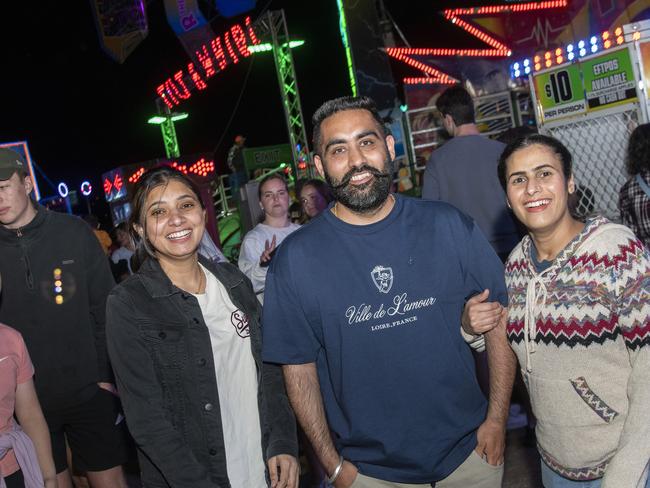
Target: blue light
{"points": [[526, 62], [517, 73], [593, 40], [58, 289], [527, 70], [515, 66], [571, 56], [86, 188], [63, 190], [581, 44], [583, 51], [569, 48], [594, 48]]}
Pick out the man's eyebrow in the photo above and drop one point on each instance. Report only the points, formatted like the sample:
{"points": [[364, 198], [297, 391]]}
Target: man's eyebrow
{"points": [[333, 142], [356, 137]]}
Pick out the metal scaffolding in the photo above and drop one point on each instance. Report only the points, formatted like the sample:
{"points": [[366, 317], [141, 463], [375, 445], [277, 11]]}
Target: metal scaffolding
{"points": [[273, 24]]}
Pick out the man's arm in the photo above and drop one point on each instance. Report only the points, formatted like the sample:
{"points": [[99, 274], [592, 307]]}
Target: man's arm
{"points": [[99, 282], [502, 365], [431, 186], [305, 397]]}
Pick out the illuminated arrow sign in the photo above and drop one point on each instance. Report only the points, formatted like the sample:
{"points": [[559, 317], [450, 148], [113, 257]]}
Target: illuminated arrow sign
{"points": [[496, 48]]}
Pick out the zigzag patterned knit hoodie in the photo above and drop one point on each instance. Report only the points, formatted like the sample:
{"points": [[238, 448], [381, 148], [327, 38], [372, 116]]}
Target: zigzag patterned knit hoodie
{"points": [[581, 332]]}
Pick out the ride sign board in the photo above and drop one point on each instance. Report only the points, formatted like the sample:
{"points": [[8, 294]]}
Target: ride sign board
{"points": [[609, 79], [267, 156]]}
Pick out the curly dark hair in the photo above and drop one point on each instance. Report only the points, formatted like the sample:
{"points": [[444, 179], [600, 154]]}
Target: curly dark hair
{"points": [[638, 150]]}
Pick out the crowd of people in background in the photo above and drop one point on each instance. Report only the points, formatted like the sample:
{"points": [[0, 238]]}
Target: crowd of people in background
{"points": [[383, 331]]}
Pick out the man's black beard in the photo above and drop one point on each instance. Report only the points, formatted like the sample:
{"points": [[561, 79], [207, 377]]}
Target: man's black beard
{"points": [[365, 198]]}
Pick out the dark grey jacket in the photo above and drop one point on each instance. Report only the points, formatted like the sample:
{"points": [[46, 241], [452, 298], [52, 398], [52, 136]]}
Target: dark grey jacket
{"points": [[161, 353]]}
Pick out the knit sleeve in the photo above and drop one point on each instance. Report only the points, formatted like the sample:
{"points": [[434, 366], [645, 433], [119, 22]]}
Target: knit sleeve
{"points": [[632, 278]]}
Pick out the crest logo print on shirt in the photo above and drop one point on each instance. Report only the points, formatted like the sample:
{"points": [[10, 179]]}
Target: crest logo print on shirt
{"points": [[382, 277], [239, 320]]}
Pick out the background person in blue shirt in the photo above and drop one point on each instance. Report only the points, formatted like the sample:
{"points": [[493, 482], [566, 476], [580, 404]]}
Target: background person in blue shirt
{"points": [[363, 308]]}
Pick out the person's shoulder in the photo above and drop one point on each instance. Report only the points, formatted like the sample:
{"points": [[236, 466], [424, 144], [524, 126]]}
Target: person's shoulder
{"points": [[606, 237], [130, 286], [434, 209], [9, 335]]}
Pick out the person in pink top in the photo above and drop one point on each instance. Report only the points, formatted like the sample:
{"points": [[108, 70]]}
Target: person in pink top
{"points": [[25, 451]]}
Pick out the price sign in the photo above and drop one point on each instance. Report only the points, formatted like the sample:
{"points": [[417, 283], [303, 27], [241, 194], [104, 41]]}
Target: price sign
{"points": [[560, 93]]}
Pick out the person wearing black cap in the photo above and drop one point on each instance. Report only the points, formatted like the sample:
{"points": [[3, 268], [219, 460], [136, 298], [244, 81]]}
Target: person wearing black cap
{"points": [[238, 173], [55, 282]]}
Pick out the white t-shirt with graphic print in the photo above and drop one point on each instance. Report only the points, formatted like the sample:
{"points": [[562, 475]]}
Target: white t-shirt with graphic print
{"points": [[237, 385]]}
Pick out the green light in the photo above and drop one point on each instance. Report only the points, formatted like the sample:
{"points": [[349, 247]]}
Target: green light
{"points": [[348, 53], [260, 48], [403, 108], [180, 116], [265, 47], [157, 120]]}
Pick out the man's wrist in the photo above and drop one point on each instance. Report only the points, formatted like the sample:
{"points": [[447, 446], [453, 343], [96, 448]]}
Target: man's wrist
{"points": [[337, 471]]}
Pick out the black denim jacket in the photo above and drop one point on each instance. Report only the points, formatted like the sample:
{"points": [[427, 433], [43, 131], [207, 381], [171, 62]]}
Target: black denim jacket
{"points": [[161, 354]]}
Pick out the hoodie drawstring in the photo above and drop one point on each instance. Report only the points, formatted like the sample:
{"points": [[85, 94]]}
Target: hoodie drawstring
{"points": [[533, 294]]}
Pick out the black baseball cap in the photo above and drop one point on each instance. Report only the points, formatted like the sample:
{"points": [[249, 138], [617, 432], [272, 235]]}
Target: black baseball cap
{"points": [[10, 163]]}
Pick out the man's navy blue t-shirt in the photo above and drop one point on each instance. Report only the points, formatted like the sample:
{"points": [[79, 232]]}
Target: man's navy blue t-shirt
{"points": [[378, 308]]}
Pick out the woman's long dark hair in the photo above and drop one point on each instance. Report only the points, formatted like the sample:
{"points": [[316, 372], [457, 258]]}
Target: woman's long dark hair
{"points": [[151, 179], [638, 150]]}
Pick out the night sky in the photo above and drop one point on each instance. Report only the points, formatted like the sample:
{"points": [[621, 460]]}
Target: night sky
{"points": [[82, 113]]}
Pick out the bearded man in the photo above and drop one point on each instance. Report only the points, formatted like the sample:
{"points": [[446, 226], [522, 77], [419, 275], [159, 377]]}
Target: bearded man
{"points": [[363, 310]]}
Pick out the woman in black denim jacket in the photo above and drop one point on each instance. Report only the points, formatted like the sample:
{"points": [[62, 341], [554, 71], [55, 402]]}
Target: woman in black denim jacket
{"points": [[161, 351]]}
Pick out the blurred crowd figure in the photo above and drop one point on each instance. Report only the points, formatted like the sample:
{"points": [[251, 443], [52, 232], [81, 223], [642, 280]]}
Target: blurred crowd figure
{"points": [[634, 197]]}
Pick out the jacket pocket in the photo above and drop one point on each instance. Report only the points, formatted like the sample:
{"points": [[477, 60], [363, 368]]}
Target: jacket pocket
{"points": [[567, 402], [592, 400], [166, 344]]}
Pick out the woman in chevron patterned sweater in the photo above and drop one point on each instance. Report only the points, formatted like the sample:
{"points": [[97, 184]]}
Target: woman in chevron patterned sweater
{"points": [[579, 322]]}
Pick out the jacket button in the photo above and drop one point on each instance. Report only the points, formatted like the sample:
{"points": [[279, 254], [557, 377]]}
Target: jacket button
{"points": [[196, 321], [202, 362], [208, 407], [213, 452], [162, 335]]}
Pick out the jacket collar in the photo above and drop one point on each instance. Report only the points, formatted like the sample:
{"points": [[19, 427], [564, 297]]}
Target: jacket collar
{"points": [[11, 235], [158, 284]]}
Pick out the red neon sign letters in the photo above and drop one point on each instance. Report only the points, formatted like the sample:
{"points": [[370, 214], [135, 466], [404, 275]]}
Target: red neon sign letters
{"points": [[212, 58]]}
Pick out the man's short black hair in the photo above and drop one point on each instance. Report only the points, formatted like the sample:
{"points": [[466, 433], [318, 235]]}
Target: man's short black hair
{"points": [[337, 105], [458, 103]]}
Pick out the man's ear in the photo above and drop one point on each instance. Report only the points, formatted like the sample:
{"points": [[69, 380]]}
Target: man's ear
{"points": [[390, 144], [318, 162], [29, 184]]}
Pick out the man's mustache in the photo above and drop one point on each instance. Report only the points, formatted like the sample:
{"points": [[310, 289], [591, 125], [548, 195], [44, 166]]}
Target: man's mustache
{"points": [[361, 169]]}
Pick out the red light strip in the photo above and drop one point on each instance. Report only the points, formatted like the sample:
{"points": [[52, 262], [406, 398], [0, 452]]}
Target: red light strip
{"points": [[179, 87], [498, 48], [499, 9]]}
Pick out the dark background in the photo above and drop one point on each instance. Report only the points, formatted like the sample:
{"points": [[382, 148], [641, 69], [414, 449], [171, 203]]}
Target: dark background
{"points": [[82, 113]]}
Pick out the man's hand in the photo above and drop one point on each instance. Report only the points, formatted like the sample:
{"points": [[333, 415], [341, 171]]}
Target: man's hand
{"points": [[491, 436], [284, 471], [269, 247], [347, 475], [479, 315], [108, 387]]}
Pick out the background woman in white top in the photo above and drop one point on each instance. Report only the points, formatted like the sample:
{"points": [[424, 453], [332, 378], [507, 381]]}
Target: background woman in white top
{"points": [[259, 244]]}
